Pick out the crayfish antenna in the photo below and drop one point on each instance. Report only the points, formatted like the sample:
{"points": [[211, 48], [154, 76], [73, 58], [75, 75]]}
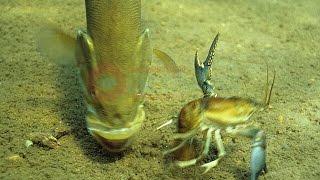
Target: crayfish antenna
{"points": [[268, 90]]}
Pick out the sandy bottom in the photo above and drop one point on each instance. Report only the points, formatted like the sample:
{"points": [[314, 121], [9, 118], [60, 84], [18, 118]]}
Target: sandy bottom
{"points": [[39, 96]]}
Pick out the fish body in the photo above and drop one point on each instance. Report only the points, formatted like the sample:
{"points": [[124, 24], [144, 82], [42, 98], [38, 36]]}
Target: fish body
{"points": [[114, 55]]}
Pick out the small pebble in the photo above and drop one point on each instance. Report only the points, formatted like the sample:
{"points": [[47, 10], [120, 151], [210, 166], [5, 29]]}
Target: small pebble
{"points": [[280, 119], [28, 143], [14, 158], [311, 82]]}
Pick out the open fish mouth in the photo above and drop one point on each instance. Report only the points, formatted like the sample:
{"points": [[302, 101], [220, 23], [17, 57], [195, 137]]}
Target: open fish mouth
{"points": [[115, 139]]}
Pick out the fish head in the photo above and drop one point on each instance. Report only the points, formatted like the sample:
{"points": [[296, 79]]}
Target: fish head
{"points": [[114, 127]]}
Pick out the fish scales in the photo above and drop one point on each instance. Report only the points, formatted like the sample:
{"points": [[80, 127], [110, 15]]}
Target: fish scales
{"points": [[115, 27]]}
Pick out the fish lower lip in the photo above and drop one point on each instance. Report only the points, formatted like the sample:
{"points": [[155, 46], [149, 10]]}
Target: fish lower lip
{"points": [[115, 138], [112, 145]]}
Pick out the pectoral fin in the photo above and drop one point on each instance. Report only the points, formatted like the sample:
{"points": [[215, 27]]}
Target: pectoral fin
{"points": [[57, 45], [143, 57], [167, 61]]}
